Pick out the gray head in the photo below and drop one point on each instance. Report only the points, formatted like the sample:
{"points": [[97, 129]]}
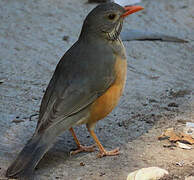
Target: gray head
{"points": [[106, 20]]}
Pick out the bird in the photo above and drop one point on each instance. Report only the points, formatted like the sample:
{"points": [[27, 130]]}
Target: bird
{"points": [[85, 87], [141, 35]]}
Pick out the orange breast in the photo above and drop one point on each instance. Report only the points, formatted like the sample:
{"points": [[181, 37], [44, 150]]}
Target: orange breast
{"points": [[107, 102]]}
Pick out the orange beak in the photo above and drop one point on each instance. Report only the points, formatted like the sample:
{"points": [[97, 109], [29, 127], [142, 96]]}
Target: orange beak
{"points": [[131, 10]]}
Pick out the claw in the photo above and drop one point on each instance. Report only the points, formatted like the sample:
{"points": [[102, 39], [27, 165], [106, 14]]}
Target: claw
{"points": [[108, 153], [83, 149]]}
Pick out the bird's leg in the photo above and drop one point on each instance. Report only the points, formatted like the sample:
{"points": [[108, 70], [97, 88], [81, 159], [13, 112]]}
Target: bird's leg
{"points": [[81, 148], [103, 152]]}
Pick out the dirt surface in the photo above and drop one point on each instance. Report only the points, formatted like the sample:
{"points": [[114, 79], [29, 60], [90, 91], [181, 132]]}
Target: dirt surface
{"points": [[159, 92]]}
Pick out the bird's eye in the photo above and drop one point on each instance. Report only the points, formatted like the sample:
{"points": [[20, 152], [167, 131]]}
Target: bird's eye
{"points": [[111, 16]]}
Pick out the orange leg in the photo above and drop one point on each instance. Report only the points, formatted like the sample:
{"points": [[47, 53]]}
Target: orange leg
{"points": [[103, 152], [80, 147]]}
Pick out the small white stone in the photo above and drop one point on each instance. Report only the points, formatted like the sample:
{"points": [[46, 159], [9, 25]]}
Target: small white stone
{"points": [[189, 129], [183, 146], [150, 173], [189, 178]]}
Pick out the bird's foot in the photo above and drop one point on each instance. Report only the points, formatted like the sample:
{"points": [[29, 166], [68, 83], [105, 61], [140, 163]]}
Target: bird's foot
{"points": [[108, 153], [83, 149]]}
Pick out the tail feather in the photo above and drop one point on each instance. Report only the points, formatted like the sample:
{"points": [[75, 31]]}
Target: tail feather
{"points": [[28, 158]]}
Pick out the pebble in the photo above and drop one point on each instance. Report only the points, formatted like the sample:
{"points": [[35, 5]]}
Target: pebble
{"points": [[150, 173]]}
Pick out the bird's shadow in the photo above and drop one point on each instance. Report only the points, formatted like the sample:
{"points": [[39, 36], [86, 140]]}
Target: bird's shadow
{"points": [[60, 152]]}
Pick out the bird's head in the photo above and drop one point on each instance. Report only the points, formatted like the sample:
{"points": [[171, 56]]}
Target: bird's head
{"points": [[106, 20]]}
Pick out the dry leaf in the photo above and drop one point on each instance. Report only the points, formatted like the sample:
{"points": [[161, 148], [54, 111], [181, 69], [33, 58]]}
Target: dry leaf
{"points": [[169, 134], [173, 136], [187, 138]]}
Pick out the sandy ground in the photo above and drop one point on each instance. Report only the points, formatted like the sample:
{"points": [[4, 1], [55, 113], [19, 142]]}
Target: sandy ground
{"points": [[159, 74]]}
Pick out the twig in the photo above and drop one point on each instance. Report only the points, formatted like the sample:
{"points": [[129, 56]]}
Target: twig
{"points": [[30, 118]]}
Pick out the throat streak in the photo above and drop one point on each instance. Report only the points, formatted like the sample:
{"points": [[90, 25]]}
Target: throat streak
{"points": [[114, 34]]}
